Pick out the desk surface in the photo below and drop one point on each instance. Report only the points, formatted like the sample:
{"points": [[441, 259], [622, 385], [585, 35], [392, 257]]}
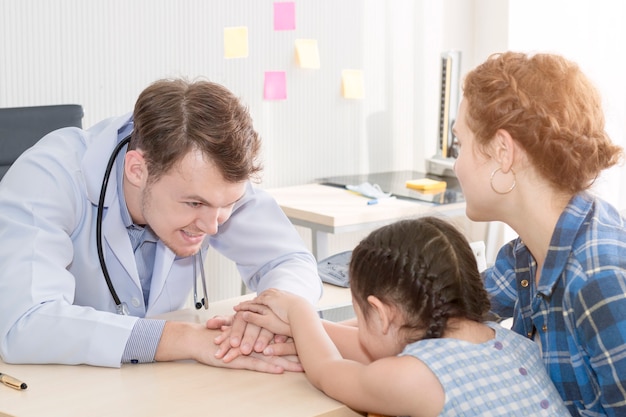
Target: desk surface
{"points": [[335, 207], [183, 388]]}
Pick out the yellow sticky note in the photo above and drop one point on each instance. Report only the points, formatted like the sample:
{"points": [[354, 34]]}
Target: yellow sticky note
{"points": [[426, 184], [236, 42], [307, 53], [352, 84]]}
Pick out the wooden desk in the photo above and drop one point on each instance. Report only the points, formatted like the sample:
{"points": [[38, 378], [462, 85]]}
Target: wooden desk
{"points": [[178, 389], [325, 209]]}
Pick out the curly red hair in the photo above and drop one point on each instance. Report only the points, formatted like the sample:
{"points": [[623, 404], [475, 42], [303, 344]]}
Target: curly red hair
{"points": [[550, 108]]}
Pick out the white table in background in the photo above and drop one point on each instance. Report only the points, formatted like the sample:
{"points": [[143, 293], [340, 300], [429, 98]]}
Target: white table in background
{"points": [[331, 210]]}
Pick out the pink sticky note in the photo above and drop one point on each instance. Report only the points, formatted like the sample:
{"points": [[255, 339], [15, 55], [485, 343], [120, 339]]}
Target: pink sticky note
{"points": [[285, 16], [275, 86]]}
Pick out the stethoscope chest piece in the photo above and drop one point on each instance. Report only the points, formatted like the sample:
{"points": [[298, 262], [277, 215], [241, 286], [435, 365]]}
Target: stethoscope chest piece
{"points": [[197, 262]]}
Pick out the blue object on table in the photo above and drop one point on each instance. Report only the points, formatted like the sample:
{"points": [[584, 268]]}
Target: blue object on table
{"points": [[368, 190]]}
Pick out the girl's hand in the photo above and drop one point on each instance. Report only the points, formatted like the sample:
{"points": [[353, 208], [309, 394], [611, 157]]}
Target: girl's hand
{"points": [[280, 302], [262, 316]]}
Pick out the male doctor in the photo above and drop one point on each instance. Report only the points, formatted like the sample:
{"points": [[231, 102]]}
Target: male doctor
{"points": [[182, 184]]}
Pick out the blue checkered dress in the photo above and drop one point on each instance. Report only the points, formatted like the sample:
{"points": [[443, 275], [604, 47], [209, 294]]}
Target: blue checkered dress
{"points": [[577, 313], [501, 377]]}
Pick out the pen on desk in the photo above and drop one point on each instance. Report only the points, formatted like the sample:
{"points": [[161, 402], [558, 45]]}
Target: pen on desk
{"points": [[372, 201], [9, 381]]}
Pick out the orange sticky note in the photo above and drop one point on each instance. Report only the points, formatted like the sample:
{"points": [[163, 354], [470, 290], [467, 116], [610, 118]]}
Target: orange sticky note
{"points": [[307, 53], [352, 84], [236, 42]]}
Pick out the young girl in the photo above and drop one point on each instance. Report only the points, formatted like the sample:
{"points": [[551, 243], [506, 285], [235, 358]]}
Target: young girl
{"points": [[419, 302]]}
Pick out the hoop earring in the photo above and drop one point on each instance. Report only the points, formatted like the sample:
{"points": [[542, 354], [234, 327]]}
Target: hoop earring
{"points": [[493, 174]]}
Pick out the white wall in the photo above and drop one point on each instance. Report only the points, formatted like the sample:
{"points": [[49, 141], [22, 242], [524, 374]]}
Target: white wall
{"points": [[593, 34], [102, 53]]}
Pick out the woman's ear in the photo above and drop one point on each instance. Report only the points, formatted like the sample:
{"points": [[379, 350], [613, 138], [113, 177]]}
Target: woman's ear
{"points": [[382, 314], [135, 168], [504, 149]]}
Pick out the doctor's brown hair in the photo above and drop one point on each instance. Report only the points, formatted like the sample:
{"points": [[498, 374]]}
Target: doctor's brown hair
{"points": [[550, 108], [426, 268], [175, 117]]}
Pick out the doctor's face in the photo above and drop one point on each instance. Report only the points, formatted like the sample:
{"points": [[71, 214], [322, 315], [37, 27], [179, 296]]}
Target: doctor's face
{"points": [[188, 203]]}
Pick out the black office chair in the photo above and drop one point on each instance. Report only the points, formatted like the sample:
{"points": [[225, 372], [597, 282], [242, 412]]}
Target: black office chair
{"points": [[22, 127]]}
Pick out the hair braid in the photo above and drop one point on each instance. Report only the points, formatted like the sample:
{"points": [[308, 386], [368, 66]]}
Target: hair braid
{"points": [[424, 266]]}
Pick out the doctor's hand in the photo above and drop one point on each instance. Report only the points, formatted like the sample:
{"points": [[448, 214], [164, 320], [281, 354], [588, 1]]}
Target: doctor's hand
{"points": [[239, 337], [262, 316], [182, 340]]}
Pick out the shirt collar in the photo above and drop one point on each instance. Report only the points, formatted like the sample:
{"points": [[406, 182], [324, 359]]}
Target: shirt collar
{"points": [[567, 229]]}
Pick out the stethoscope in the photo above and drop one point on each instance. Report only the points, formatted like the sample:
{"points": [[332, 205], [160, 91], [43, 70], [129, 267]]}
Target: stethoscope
{"points": [[122, 307]]}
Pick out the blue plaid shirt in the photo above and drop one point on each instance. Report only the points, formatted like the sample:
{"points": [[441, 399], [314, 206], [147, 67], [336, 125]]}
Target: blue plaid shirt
{"points": [[577, 313]]}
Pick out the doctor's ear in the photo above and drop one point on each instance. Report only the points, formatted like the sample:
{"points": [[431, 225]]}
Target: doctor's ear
{"points": [[135, 168]]}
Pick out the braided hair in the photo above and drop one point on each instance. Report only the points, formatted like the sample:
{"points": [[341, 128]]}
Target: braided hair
{"points": [[551, 109], [425, 267]]}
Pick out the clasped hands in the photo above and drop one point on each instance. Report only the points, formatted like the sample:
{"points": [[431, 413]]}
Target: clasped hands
{"points": [[257, 330]]}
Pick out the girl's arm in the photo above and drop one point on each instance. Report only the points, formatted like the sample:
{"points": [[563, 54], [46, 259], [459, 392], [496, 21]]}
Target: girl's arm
{"points": [[391, 386], [346, 339]]}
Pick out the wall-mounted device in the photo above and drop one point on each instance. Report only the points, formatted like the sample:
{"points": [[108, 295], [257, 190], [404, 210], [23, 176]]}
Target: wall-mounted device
{"points": [[443, 161]]}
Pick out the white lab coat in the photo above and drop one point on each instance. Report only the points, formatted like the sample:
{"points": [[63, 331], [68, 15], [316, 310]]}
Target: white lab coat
{"points": [[55, 306]]}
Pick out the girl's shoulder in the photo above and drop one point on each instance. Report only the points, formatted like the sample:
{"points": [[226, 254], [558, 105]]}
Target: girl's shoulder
{"points": [[504, 339]]}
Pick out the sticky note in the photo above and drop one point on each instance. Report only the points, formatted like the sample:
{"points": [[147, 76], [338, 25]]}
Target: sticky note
{"points": [[285, 16], [352, 84], [307, 53], [275, 85], [236, 42], [426, 184]]}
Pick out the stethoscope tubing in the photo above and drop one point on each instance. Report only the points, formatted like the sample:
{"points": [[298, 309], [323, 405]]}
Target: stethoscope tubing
{"points": [[121, 307]]}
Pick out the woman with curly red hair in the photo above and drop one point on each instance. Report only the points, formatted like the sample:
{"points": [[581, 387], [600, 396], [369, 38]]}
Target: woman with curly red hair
{"points": [[532, 139]]}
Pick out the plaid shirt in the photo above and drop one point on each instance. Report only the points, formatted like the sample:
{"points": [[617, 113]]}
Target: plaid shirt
{"points": [[577, 313]]}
